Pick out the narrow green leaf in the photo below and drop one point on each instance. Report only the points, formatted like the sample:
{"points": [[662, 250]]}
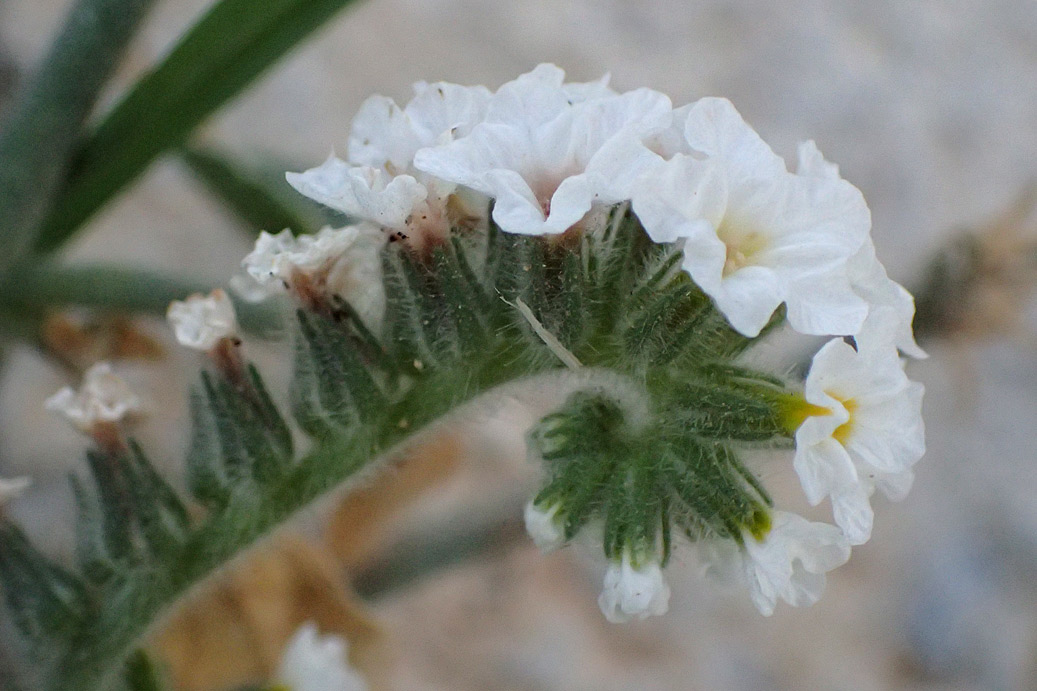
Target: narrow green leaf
{"points": [[254, 199], [229, 47], [44, 123], [142, 674], [114, 288]]}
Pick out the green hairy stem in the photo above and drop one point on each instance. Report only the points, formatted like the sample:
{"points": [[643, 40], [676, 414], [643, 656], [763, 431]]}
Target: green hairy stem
{"points": [[648, 439]]}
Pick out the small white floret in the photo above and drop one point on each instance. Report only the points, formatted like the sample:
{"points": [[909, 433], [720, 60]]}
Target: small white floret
{"points": [[788, 564], [754, 235], [634, 592], [544, 155], [870, 436], [202, 321], [312, 662], [544, 527], [343, 261], [102, 397], [379, 183]]}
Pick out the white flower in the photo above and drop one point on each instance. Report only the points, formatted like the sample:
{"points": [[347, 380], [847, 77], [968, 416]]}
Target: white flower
{"points": [[103, 397], [13, 488], [867, 275], [633, 592], [546, 157], [544, 527], [201, 321], [379, 182], [755, 235], [789, 563], [868, 430], [312, 662], [247, 288], [344, 262]]}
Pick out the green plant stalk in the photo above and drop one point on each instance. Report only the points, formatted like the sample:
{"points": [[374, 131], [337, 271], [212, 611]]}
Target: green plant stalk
{"points": [[35, 287], [224, 52], [250, 517], [45, 121], [457, 332]]}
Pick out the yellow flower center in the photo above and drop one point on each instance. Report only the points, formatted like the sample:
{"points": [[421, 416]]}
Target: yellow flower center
{"points": [[842, 432], [743, 243]]}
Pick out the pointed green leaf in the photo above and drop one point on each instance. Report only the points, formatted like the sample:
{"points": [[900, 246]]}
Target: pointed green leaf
{"points": [[235, 42], [258, 202], [44, 123]]}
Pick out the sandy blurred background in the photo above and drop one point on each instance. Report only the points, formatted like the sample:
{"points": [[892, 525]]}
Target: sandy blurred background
{"points": [[930, 107]]}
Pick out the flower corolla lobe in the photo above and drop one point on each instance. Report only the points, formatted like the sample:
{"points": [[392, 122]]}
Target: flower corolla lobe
{"points": [[789, 563], [634, 590], [202, 321], [103, 397]]}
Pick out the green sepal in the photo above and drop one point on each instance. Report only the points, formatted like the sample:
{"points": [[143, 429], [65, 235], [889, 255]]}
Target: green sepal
{"points": [[113, 495], [44, 599], [206, 477]]}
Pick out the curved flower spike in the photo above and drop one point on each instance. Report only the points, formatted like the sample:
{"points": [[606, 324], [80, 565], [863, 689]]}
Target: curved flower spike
{"points": [[634, 591], [202, 321], [788, 564], [103, 397]]}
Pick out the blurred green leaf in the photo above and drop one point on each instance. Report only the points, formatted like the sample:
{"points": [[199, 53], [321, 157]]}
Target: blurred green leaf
{"points": [[45, 120], [229, 47], [261, 202], [113, 288], [142, 674]]}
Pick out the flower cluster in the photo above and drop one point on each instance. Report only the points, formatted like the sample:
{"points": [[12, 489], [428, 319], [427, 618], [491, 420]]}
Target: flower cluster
{"points": [[563, 164]]}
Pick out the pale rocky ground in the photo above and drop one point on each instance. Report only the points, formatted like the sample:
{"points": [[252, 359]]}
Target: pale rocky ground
{"points": [[930, 107]]}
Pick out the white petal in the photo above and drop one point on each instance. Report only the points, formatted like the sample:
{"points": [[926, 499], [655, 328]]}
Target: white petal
{"points": [[748, 298], [102, 397], [543, 527], [631, 592], [311, 662], [891, 306], [822, 467], [714, 128], [852, 511], [382, 134], [546, 160], [584, 91], [812, 164], [202, 321]]}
